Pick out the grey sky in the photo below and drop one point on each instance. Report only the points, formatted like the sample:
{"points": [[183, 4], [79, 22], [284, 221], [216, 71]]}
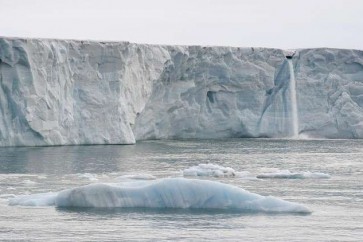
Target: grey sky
{"points": [[266, 23]]}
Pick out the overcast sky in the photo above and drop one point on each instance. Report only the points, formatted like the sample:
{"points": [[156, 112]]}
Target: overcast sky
{"points": [[264, 23]]}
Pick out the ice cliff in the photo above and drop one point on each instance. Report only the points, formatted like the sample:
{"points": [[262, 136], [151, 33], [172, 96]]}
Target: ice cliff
{"points": [[56, 92], [60, 92]]}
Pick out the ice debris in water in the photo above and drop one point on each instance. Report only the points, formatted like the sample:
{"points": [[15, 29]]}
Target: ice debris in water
{"points": [[91, 177], [162, 193], [286, 174], [213, 170], [28, 182]]}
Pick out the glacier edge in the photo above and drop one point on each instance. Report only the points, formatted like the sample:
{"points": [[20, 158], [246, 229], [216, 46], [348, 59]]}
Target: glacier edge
{"points": [[68, 92]]}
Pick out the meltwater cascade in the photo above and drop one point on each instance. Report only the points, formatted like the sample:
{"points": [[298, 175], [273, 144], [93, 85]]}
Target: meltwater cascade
{"points": [[293, 101]]}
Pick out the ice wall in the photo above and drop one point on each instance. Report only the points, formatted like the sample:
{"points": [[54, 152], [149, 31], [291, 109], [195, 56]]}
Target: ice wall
{"points": [[330, 92], [210, 93], [60, 92]]}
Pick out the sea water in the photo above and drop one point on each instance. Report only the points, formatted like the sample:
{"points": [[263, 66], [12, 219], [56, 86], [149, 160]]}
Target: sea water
{"points": [[336, 201]]}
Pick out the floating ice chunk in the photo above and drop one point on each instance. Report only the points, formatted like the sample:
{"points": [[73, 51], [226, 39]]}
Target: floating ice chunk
{"points": [[209, 170], [246, 175], [163, 193], [40, 199], [286, 174], [91, 177], [214, 170], [28, 182]]}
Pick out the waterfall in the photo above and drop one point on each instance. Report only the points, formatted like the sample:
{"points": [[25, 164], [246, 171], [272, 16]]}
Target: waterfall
{"points": [[293, 101], [279, 116]]}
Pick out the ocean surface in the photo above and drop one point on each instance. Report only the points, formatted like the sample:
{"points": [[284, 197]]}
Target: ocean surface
{"points": [[336, 203]]}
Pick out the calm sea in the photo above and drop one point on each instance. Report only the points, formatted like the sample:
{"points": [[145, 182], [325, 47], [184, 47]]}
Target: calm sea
{"points": [[337, 203]]}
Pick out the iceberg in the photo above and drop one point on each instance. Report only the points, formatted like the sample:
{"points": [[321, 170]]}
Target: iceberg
{"points": [[68, 92], [162, 193]]}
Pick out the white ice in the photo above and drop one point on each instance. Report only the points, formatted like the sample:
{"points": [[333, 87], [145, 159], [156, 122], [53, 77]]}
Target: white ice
{"points": [[162, 193], [214, 170], [286, 174], [64, 92], [209, 170], [91, 177], [40, 199]]}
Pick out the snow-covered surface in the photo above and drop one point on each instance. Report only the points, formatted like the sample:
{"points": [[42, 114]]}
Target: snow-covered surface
{"points": [[57, 92], [286, 174], [162, 193], [213, 170]]}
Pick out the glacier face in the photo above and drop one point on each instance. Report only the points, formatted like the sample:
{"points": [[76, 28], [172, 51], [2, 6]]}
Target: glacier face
{"points": [[330, 92], [56, 92], [61, 92], [209, 93]]}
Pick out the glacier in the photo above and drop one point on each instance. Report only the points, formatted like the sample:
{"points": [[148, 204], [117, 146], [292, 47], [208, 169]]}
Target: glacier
{"points": [[161, 193], [69, 92]]}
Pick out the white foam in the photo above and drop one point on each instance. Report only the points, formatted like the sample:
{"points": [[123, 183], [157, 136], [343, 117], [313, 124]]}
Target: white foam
{"points": [[293, 102], [162, 193], [286, 174]]}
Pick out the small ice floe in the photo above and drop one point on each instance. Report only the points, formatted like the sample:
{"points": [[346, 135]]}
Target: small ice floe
{"points": [[42, 177], [89, 176], [162, 193], [211, 170], [28, 182], [286, 174], [136, 177]]}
